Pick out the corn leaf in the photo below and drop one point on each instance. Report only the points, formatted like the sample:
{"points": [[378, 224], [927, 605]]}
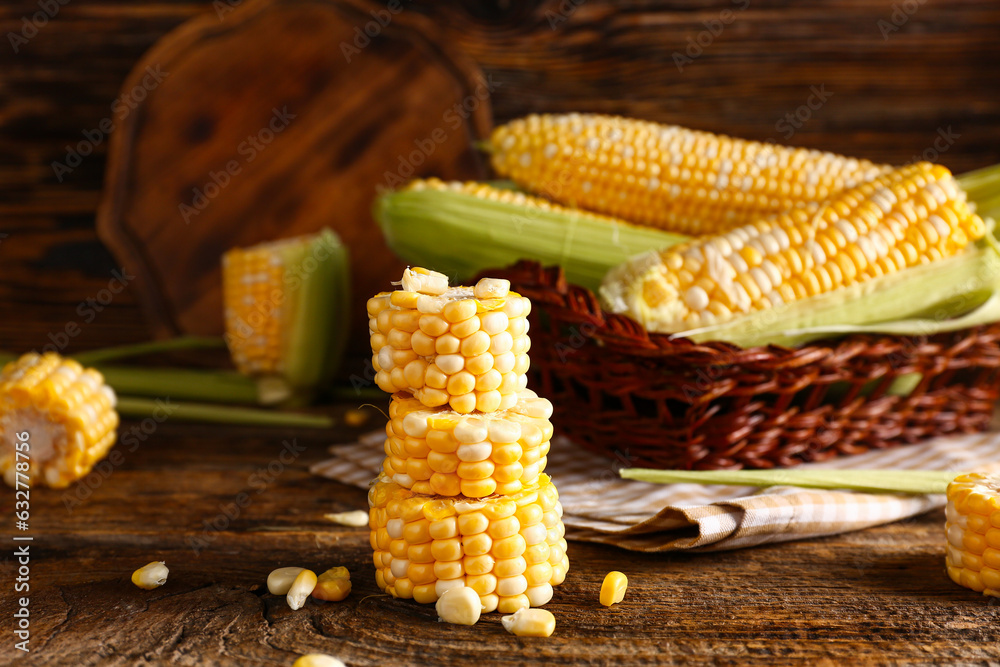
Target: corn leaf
{"points": [[868, 481]]}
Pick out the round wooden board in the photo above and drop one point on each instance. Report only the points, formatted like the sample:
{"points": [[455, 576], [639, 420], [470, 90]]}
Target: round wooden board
{"points": [[277, 118]]}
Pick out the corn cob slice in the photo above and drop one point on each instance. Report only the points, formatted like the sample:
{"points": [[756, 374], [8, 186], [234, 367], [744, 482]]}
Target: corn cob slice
{"points": [[973, 530], [907, 217], [438, 451], [284, 302], [463, 229], [452, 348], [66, 414], [667, 176], [510, 549]]}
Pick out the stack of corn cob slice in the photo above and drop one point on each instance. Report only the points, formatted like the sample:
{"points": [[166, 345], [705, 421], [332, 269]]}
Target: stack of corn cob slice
{"points": [[462, 499]]}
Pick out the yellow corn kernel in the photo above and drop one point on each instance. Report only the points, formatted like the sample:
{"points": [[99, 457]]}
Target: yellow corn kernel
{"points": [[748, 281], [150, 576], [281, 579], [59, 414], [333, 585], [613, 588], [460, 606], [318, 660], [530, 623], [301, 588], [971, 556], [685, 181]]}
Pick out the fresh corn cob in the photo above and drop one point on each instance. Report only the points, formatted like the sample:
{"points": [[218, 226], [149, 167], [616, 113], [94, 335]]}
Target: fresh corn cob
{"points": [[285, 303], [463, 229], [904, 218], [438, 451], [510, 549], [452, 348], [64, 412], [973, 530], [666, 176]]}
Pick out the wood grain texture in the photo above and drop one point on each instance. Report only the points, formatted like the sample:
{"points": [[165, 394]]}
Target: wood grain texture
{"points": [[890, 97], [874, 596], [278, 121]]}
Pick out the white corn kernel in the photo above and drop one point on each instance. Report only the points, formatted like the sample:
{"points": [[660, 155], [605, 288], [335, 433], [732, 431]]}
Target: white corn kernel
{"points": [[424, 281], [357, 518], [151, 575], [301, 589], [280, 580], [459, 605], [318, 660], [530, 623], [492, 288]]}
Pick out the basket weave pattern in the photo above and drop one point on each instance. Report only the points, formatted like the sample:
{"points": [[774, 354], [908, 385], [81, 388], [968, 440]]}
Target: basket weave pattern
{"points": [[649, 400]]}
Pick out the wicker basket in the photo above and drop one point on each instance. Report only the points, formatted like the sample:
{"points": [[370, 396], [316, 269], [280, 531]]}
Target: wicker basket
{"points": [[649, 400]]}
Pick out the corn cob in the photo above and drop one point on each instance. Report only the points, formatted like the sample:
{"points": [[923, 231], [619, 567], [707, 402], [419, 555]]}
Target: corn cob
{"points": [[284, 303], [510, 549], [666, 176], [972, 555], [453, 347], [65, 413], [907, 217], [438, 451], [463, 229]]}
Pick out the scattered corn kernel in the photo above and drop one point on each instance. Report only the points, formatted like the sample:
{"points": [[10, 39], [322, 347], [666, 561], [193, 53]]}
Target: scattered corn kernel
{"points": [[151, 575], [301, 588], [356, 518], [318, 660], [613, 588], [333, 585], [424, 281], [460, 605], [530, 623], [280, 580], [356, 417], [492, 288]]}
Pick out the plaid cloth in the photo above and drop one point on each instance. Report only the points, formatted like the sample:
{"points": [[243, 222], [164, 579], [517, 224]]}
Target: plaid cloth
{"points": [[599, 506]]}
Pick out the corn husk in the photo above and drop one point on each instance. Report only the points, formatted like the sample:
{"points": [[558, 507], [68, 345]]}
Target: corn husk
{"points": [[444, 228]]}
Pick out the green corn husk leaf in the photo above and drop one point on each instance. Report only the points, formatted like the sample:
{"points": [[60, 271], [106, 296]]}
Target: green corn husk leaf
{"points": [[460, 234], [955, 293], [867, 481], [312, 303]]}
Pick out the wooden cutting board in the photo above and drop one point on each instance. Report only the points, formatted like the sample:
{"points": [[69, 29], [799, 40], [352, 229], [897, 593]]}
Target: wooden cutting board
{"points": [[270, 118]]}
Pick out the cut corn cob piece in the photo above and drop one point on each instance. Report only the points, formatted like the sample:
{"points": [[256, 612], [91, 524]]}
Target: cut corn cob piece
{"points": [[285, 303], [511, 550], [451, 348], [666, 176], [64, 412], [972, 555], [907, 217], [439, 451], [465, 228]]}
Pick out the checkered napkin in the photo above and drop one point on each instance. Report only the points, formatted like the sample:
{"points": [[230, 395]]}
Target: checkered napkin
{"points": [[599, 506]]}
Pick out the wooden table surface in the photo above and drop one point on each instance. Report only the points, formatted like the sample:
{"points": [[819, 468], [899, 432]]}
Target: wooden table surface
{"points": [[878, 595]]}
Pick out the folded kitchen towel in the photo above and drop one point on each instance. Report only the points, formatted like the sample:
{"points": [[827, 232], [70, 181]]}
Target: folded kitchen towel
{"points": [[599, 506]]}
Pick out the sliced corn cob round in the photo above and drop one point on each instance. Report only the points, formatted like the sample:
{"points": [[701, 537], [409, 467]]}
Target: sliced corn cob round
{"points": [[64, 412], [510, 549], [439, 451], [465, 228], [285, 303], [909, 216], [466, 347], [667, 176], [972, 555]]}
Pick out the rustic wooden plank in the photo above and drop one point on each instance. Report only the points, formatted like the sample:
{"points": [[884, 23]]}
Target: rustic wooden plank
{"points": [[878, 595]]}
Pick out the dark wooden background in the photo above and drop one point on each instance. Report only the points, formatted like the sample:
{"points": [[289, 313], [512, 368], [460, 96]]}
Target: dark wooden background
{"points": [[890, 96]]}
